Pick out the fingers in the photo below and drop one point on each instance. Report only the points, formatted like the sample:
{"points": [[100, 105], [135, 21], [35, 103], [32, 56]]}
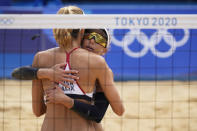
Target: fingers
{"points": [[71, 71], [50, 99], [49, 93], [56, 85], [54, 95], [50, 96], [71, 76], [58, 88], [68, 80], [49, 89]]}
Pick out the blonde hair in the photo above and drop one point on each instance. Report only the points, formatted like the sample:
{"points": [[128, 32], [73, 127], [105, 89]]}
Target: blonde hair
{"points": [[64, 36]]}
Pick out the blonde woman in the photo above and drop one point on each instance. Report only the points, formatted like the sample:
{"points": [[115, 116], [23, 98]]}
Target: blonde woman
{"points": [[91, 67]]}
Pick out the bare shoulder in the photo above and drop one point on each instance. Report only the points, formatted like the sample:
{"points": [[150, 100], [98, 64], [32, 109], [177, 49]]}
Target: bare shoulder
{"points": [[46, 52], [94, 60], [102, 64], [99, 62], [43, 57], [97, 59], [91, 57]]}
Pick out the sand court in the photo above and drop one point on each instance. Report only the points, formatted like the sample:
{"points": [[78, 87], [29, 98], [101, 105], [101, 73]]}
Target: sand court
{"points": [[150, 106]]}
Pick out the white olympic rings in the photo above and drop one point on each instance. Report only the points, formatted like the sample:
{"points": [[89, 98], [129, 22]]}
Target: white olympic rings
{"points": [[6, 20], [149, 43]]}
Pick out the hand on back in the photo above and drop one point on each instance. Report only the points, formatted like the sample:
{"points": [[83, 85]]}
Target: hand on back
{"points": [[59, 75]]}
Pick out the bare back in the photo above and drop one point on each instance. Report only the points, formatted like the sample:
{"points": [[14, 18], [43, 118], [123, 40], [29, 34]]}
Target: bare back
{"points": [[59, 118]]}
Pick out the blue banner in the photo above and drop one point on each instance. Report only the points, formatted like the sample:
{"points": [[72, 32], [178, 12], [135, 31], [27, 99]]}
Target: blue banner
{"points": [[151, 54], [146, 54]]}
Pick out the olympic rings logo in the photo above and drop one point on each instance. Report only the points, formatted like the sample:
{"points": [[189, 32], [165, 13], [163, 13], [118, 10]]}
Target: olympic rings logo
{"points": [[149, 43], [6, 20]]}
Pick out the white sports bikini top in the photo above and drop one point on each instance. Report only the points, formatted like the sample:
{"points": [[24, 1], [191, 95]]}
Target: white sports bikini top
{"points": [[75, 91]]}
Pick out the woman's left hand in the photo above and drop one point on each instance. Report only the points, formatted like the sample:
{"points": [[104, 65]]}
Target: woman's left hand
{"points": [[55, 95]]}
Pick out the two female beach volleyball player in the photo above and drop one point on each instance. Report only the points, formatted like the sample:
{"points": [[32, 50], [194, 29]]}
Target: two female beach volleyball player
{"points": [[97, 41], [94, 112], [91, 67]]}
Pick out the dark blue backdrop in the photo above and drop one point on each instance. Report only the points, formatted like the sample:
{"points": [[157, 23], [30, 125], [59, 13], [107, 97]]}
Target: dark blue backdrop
{"points": [[17, 48]]}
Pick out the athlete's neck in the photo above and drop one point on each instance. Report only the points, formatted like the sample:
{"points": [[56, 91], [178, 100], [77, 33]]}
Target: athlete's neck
{"points": [[68, 49]]}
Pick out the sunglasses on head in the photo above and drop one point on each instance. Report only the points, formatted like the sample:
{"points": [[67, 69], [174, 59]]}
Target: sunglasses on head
{"points": [[99, 39]]}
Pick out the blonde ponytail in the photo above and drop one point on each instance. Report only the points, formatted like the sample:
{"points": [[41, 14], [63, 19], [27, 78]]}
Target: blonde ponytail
{"points": [[64, 36]]}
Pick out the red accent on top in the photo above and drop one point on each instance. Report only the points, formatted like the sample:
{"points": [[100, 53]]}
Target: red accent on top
{"points": [[68, 63], [80, 88], [68, 54]]}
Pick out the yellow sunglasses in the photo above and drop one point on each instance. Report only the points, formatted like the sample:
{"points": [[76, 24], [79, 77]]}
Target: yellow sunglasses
{"points": [[99, 39]]}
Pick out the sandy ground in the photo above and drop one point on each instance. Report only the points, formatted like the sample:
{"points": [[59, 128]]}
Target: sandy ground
{"points": [[150, 106]]}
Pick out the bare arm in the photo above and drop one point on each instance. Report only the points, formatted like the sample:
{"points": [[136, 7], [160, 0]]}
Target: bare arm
{"points": [[106, 80], [38, 105], [94, 112], [55, 73]]}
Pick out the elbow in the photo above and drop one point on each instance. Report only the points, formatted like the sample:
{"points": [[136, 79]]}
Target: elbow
{"points": [[97, 120], [118, 109], [99, 117], [121, 111], [38, 114]]}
